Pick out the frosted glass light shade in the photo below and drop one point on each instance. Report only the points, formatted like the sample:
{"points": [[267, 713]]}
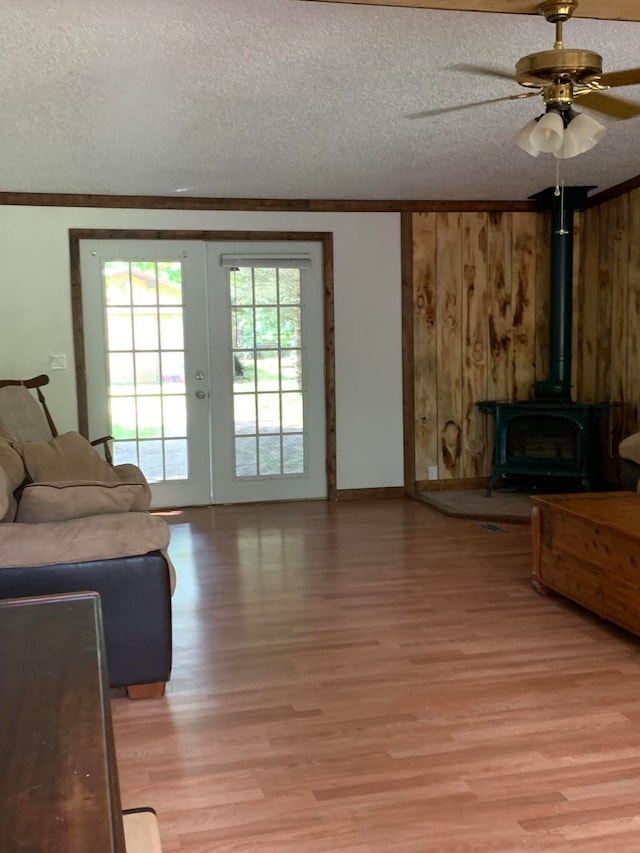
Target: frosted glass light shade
{"points": [[548, 133], [581, 134], [523, 138]]}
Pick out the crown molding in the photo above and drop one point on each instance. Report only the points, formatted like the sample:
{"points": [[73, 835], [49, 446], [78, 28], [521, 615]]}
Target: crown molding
{"points": [[261, 204], [614, 192]]}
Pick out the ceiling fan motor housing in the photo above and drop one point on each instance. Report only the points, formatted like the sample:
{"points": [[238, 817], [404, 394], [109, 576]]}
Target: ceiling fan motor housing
{"points": [[559, 96], [560, 65]]}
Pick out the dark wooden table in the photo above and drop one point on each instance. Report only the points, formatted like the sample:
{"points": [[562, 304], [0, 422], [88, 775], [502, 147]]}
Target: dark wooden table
{"points": [[58, 778]]}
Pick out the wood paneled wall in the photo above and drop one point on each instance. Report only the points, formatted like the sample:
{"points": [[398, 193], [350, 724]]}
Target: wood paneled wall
{"points": [[481, 327], [607, 312], [480, 289]]}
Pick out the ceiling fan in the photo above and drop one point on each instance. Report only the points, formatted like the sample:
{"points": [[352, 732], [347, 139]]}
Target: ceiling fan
{"points": [[607, 10], [561, 76]]}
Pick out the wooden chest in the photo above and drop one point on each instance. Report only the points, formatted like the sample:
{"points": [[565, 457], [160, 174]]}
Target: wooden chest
{"points": [[587, 547]]}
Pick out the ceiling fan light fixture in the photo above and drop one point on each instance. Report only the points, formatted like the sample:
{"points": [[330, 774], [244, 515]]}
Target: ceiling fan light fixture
{"points": [[523, 137], [580, 135], [542, 134], [548, 133]]}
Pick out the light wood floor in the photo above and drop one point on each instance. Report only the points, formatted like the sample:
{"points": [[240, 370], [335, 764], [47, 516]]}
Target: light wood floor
{"points": [[378, 677]]}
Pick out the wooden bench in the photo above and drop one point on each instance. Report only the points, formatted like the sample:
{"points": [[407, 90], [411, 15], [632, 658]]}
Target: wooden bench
{"points": [[141, 831]]}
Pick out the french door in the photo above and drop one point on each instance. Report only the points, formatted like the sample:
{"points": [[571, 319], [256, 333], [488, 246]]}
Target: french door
{"points": [[205, 361]]}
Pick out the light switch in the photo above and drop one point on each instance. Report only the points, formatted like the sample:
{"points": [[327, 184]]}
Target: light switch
{"points": [[57, 362]]}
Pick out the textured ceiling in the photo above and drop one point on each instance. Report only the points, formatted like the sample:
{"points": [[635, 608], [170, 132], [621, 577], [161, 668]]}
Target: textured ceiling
{"points": [[282, 99]]}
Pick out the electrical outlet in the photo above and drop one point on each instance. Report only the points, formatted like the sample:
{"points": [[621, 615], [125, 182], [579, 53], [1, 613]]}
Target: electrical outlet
{"points": [[57, 362], [433, 472]]}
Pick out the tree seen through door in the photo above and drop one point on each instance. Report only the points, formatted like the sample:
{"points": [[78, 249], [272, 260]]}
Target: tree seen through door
{"points": [[267, 345]]}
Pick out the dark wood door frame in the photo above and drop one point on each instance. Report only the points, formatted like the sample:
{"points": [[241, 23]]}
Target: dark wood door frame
{"points": [[323, 237], [408, 354]]}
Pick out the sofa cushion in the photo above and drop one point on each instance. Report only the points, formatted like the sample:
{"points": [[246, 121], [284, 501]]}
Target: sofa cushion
{"points": [[128, 473], [6, 493], [66, 457], [11, 462], [629, 448], [100, 537], [12, 476], [59, 501], [21, 414]]}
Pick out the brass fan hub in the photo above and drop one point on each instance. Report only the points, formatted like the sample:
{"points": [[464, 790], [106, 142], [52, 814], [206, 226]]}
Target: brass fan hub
{"points": [[558, 95], [561, 65]]}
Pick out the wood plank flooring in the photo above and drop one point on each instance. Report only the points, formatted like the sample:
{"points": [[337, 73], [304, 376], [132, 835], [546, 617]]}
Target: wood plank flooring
{"points": [[369, 677]]}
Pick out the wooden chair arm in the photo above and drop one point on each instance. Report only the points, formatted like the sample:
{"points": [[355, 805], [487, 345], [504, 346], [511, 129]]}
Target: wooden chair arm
{"points": [[104, 441]]}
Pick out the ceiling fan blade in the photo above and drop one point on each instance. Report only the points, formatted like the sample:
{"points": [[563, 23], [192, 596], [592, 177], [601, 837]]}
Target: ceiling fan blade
{"points": [[443, 110], [482, 71], [630, 77], [609, 105], [607, 10]]}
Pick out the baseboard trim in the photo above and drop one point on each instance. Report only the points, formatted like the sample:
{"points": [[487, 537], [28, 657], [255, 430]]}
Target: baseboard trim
{"points": [[452, 485], [380, 494]]}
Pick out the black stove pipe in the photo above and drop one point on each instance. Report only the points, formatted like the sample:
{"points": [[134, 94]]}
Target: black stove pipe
{"points": [[562, 206]]}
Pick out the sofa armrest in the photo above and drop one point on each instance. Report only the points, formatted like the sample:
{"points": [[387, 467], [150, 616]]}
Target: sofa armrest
{"points": [[98, 537], [136, 608]]}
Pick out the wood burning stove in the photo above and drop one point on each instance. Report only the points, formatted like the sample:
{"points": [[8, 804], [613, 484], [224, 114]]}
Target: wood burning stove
{"points": [[551, 436], [547, 439]]}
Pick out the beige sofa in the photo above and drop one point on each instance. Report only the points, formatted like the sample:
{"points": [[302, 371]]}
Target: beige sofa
{"points": [[72, 522], [629, 451]]}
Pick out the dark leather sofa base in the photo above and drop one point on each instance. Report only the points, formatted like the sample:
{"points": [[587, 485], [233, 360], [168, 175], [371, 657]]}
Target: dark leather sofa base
{"points": [[630, 475], [136, 609]]}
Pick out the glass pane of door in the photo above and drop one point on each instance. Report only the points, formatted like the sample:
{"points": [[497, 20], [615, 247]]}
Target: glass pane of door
{"points": [[268, 414], [141, 301], [266, 341], [146, 391]]}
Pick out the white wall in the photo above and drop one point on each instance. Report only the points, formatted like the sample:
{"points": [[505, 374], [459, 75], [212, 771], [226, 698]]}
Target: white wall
{"points": [[36, 315]]}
